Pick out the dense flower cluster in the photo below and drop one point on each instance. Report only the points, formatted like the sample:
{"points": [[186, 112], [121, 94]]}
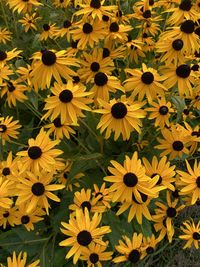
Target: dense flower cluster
{"points": [[99, 110]]}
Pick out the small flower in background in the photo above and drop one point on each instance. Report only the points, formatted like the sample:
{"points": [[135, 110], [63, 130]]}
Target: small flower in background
{"points": [[20, 260], [22, 6], [8, 129], [49, 31], [190, 181], [29, 22], [5, 35], [191, 233], [131, 250]]}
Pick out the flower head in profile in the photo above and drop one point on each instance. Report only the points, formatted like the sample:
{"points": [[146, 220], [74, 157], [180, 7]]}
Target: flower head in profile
{"points": [[5, 35], [8, 128]]}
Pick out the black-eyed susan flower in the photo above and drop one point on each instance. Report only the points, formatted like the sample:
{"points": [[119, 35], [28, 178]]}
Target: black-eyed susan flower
{"points": [[161, 112], [95, 9], [121, 117], [5, 35], [137, 209], [110, 50], [8, 217], [84, 200], [5, 72], [164, 216], [150, 243], [103, 85], [14, 92], [104, 193], [194, 133], [50, 63], [40, 154], [134, 49], [9, 167], [68, 101], [6, 56], [191, 233], [131, 250], [91, 63], [95, 254], [145, 82], [28, 219], [8, 128], [181, 76], [190, 181], [6, 187], [49, 31], [185, 32], [175, 143], [23, 6], [185, 10], [65, 30], [60, 130], [83, 231], [25, 74], [172, 51], [21, 261], [130, 179], [36, 189], [163, 169], [118, 32], [29, 21], [88, 33]]}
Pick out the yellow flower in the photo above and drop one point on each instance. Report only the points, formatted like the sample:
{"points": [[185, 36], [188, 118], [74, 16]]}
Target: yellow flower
{"points": [[29, 22], [8, 128], [20, 261], [191, 233], [23, 6], [5, 35]]}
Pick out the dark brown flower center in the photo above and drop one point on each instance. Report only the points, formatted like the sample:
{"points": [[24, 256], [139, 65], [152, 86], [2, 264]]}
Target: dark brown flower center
{"points": [[38, 189], [159, 180], [67, 24], [76, 79], [147, 77], [95, 66], [25, 219], [183, 71], [177, 44], [105, 18], [114, 27], [6, 171], [185, 5], [196, 236], [3, 55], [87, 28], [163, 110], [86, 204], [66, 96], [178, 145], [171, 212], [106, 52], [3, 128], [100, 79], [46, 27], [195, 67], [134, 256], [99, 194], [34, 152], [84, 238], [146, 14], [94, 258], [130, 179], [6, 214], [95, 4], [150, 250], [11, 87], [119, 110], [48, 58], [198, 181], [187, 26]]}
